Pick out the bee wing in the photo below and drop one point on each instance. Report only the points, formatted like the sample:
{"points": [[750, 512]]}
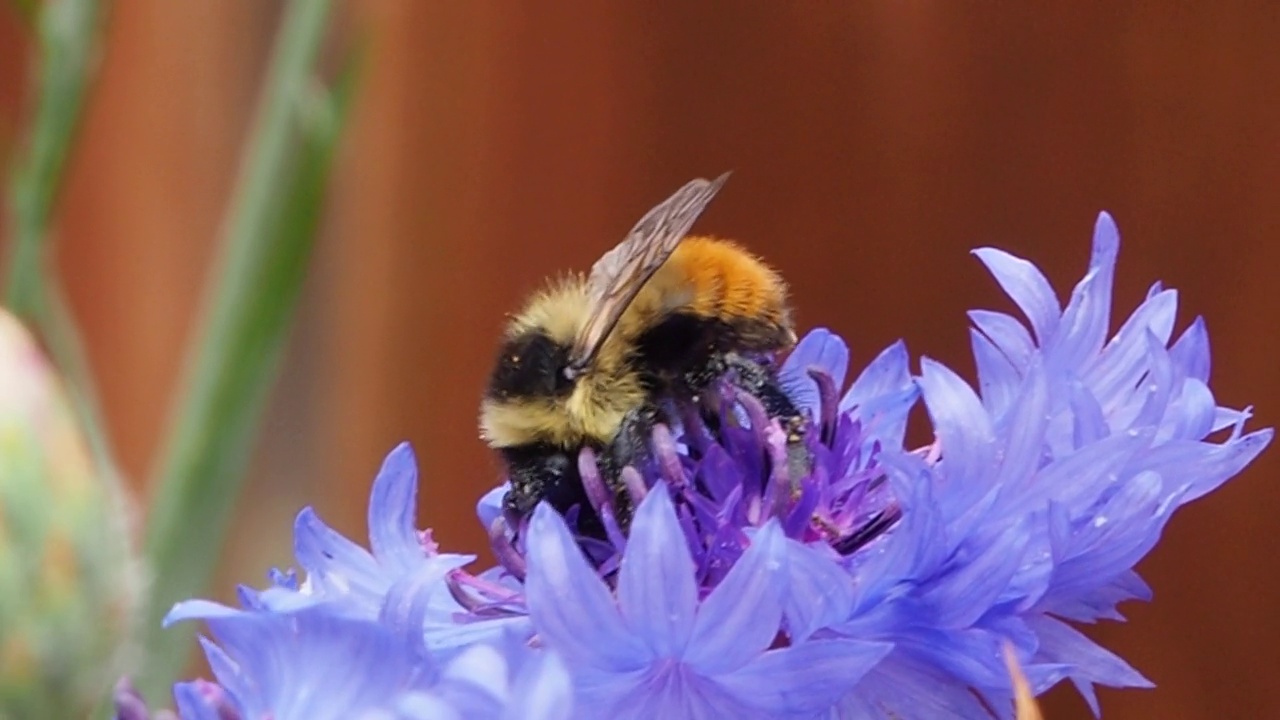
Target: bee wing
{"points": [[617, 277]]}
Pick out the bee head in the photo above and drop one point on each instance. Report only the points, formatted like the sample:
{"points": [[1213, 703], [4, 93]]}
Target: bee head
{"points": [[532, 366]]}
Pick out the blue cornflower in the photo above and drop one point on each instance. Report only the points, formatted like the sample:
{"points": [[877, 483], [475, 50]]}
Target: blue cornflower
{"points": [[856, 578], [656, 650], [1043, 493]]}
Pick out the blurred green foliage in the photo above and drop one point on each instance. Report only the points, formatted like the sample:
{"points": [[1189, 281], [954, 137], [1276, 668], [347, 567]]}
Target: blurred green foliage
{"points": [[66, 48], [67, 33], [267, 238]]}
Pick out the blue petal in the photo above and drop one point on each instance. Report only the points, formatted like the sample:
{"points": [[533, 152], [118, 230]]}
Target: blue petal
{"points": [[314, 665], [1059, 643], [1078, 479], [1026, 286], [882, 397], [888, 374], [1114, 538], [482, 666], [901, 687], [1089, 425], [1123, 361], [997, 377], [740, 618], [198, 610], [1023, 436], [1192, 414], [965, 593], [1191, 351], [1100, 602], [1082, 331], [820, 593], [1224, 418], [919, 544], [970, 656], [283, 600], [1032, 578], [410, 601], [671, 691], [656, 589], [1205, 466], [445, 638], [1106, 245], [1007, 334], [1085, 322], [490, 506], [424, 706], [1158, 385], [393, 536], [542, 691], [823, 350], [334, 563], [569, 604], [961, 424], [238, 683], [805, 679]]}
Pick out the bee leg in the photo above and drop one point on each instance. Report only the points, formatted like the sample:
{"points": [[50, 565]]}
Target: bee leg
{"points": [[757, 380], [764, 386], [629, 447]]}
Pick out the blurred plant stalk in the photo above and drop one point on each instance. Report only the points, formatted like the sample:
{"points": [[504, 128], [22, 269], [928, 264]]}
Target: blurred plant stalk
{"points": [[66, 40], [68, 585], [267, 240], [65, 53]]}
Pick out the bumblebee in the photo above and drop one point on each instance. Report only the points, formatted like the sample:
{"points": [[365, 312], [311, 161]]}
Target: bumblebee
{"points": [[590, 361]]}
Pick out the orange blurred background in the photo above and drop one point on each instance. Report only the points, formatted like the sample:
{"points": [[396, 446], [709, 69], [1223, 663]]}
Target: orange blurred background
{"points": [[872, 144]]}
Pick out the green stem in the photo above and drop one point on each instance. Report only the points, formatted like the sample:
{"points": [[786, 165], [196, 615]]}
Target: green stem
{"points": [[267, 240], [67, 32]]}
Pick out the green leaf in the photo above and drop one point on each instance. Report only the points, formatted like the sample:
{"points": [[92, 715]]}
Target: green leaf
{"points": [[269, 236]]}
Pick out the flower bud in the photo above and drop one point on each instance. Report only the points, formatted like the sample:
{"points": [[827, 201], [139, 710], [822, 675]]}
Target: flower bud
{"points": [[68, 585]]}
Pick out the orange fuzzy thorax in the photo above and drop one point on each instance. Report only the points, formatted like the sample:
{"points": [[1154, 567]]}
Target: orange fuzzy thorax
{"points": [[716, 279]]}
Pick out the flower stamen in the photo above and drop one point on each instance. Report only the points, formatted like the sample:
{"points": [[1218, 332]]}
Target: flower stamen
{"points": [[599, 497], [504, 551]]}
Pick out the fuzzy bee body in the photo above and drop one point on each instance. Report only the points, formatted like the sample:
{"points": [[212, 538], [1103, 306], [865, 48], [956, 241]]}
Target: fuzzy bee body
{"points": [[588, 361]]}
